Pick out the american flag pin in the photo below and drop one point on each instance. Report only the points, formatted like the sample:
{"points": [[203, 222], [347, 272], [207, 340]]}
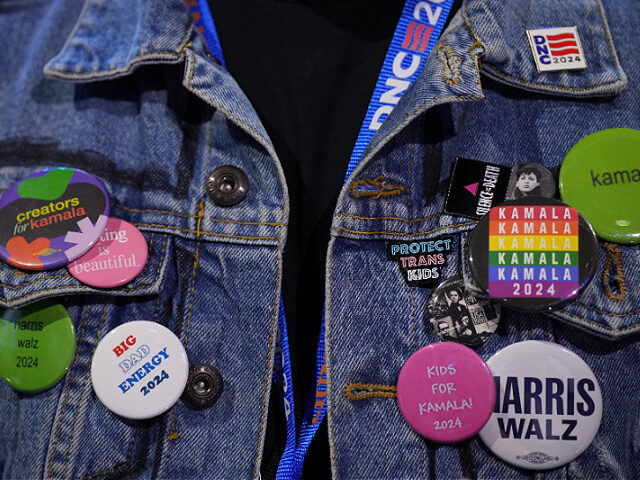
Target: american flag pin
{"points": [[557, 49]]}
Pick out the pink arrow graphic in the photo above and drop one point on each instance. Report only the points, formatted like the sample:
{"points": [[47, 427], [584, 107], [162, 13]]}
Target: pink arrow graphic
{"points": [[86, 237], [472, 188]]}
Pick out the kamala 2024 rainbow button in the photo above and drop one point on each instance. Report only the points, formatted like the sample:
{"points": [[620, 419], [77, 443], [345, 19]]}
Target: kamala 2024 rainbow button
{"points": [[139, 369], [548, 406], [37, 344], [533, 253], [51, 217], [446, 392]]}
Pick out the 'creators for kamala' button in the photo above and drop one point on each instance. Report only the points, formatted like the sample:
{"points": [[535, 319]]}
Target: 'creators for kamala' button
{"points": [[139, 370], [51, 218]]}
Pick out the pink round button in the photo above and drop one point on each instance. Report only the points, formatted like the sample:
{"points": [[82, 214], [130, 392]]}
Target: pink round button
{"points": [[117, 258], [446, 392]]}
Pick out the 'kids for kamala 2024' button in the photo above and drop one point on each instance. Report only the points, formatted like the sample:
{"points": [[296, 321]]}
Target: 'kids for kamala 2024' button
{"points": [[533, 253], [548, 405], [51, 218], [446, 392], [139, 370]]}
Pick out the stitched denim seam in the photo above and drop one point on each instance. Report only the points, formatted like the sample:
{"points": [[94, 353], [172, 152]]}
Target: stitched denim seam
{"points": [[389, 218], [183, 215], [274, 321], [608, 327], [330, 388], [268, 224], [151, 210], [220, 107], [84, 387], [206, 233], [66, 397], [216, 104], [186, 335], [551, 87], [410, 235]]}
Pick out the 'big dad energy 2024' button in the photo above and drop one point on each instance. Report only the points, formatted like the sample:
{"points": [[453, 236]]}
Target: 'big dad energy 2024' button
{"points": [[139, 370]]}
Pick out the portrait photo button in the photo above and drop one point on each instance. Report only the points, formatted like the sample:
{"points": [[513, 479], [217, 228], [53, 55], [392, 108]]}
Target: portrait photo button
{"points": [[227, 185], [533, 253], [530, 180], [446, 392], [117, 258], [458, 316], [600, 177], [548, 406], [139, 370], [51, 217], [204, 386], [37, 344]]}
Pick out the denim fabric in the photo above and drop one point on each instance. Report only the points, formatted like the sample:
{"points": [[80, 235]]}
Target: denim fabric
{"points": [[127, 91]]}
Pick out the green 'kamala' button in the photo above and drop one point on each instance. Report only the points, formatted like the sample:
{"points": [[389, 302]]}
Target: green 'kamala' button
{"points": [[37, 344], [600, 177]]}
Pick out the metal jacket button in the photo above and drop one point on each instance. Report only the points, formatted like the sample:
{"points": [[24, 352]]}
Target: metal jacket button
{"points": [[204, 385], [227, 185]]}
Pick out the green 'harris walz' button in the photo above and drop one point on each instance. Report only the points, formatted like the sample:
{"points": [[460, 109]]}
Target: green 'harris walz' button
{"points": [[37, 344], [600, 177]]}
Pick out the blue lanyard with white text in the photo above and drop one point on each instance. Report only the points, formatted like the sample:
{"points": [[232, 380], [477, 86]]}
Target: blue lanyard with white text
{"points": [[418, 29]]}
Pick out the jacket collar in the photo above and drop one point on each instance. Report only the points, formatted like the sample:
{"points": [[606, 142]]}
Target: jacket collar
{"points": [[488, 38], [111, 38]]}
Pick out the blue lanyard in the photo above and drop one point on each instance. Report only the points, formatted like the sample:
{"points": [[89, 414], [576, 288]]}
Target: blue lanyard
{"points": [[416, 34]]}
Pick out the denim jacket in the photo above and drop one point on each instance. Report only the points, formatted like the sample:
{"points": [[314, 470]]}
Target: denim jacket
{"points": [[128, 92]]}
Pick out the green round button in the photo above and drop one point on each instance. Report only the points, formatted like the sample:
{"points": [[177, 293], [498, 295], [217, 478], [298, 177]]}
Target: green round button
{"points": [[37, 344], [600, 177]]}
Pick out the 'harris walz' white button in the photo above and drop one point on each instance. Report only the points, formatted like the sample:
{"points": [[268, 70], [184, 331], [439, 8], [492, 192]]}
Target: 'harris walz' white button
{"points": [[139, 370], [548, 405]]}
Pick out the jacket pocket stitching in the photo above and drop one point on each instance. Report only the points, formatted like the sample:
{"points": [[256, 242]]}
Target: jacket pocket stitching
{"points": [[410, 235], [84, 287], [465, 259]]}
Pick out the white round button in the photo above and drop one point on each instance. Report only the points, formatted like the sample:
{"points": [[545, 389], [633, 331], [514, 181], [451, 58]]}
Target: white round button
{"points": [[139, 370], [548, 405]]}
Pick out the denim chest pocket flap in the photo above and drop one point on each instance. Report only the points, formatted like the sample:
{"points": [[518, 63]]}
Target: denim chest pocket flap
{"points": [[19, 288]]}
